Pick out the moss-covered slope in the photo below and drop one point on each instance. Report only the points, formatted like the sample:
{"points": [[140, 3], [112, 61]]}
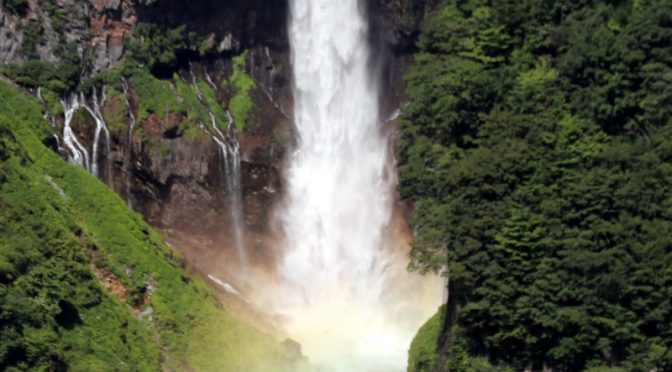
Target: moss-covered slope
{"points": [[85, 284]]}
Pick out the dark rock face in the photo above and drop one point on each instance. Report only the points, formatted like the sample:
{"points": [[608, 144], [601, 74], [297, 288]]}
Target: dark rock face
{"points": [[232, 25], [395, 26], [397, 23]]}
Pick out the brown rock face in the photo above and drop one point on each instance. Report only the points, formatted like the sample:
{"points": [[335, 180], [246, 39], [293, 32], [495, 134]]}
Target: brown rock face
{"points": [[110, 21], [96, 27]]}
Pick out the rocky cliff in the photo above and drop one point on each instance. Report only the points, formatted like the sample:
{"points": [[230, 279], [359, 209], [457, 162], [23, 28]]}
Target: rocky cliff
{"points": [[162, 156]]}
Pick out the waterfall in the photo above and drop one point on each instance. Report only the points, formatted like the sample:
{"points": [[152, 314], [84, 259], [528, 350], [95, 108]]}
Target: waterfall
{"points": [[129, 152], [209, 80], [77, 153], [131, 115], [230, 153], [266, 85], [97, 115], [342, 270], [233, 176]]}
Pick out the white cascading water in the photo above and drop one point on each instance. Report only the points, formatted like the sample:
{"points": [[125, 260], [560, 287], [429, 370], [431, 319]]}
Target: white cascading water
{"points": [[210, 82], [233, 179], [230, 152], [129, 151], [78, 154], [51, 119], [343, 287], [97, 115], [131, 115]]}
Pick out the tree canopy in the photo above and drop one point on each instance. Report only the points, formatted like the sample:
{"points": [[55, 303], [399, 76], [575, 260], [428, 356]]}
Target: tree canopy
{"points": [[537, 147]]}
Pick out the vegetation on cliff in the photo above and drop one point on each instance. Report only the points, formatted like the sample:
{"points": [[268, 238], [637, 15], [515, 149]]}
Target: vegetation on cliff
{"points": [[155, 64], [86, 285], [242, 83], [537, 145]]}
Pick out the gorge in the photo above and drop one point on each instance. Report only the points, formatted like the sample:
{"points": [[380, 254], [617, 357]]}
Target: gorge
{"points": [[297, 185], [265, 159]]}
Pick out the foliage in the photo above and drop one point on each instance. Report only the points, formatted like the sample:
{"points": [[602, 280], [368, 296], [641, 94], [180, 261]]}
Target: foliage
{"points": [[59, 17], [115, 112], [60, 78], [536, 146], [242, 84], [52, 306], [158, 47], [18, 6], [56, 223], [422, 355], [154, 96], [33, 31], [52, 101]]}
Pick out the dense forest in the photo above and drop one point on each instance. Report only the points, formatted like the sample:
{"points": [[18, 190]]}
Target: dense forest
{"points": [[537, 146]]}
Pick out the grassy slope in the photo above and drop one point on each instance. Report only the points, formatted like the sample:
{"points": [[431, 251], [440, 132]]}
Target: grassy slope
{"points": [[422, 355], [186, 322]]}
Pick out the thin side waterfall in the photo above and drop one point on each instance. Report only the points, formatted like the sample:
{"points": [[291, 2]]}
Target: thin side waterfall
{"points": [[231, 162], [343, 285], [131, 115], [209, 80], [233, 176], [267, 87], [230, 153], [131, 127], [97, 115], [77, 153]]}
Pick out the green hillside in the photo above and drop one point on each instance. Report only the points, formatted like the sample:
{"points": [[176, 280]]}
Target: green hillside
{"points": [[86, 285]]}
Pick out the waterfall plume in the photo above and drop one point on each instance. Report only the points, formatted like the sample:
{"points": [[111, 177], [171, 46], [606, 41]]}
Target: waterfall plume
{"points": [[342, 285]]}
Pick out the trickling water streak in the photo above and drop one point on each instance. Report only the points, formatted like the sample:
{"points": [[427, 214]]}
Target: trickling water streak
{"points": [[97, 115], [230, 152], [226, 286], [213, 122], [235, 201], [77, 152], [194, 83], [341, 269], [267, 87], [231, 164], [129, 153], [131, 115]]}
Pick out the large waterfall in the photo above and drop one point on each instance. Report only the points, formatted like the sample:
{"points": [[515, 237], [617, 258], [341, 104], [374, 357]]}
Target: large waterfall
{"points": [[343, 286]]}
